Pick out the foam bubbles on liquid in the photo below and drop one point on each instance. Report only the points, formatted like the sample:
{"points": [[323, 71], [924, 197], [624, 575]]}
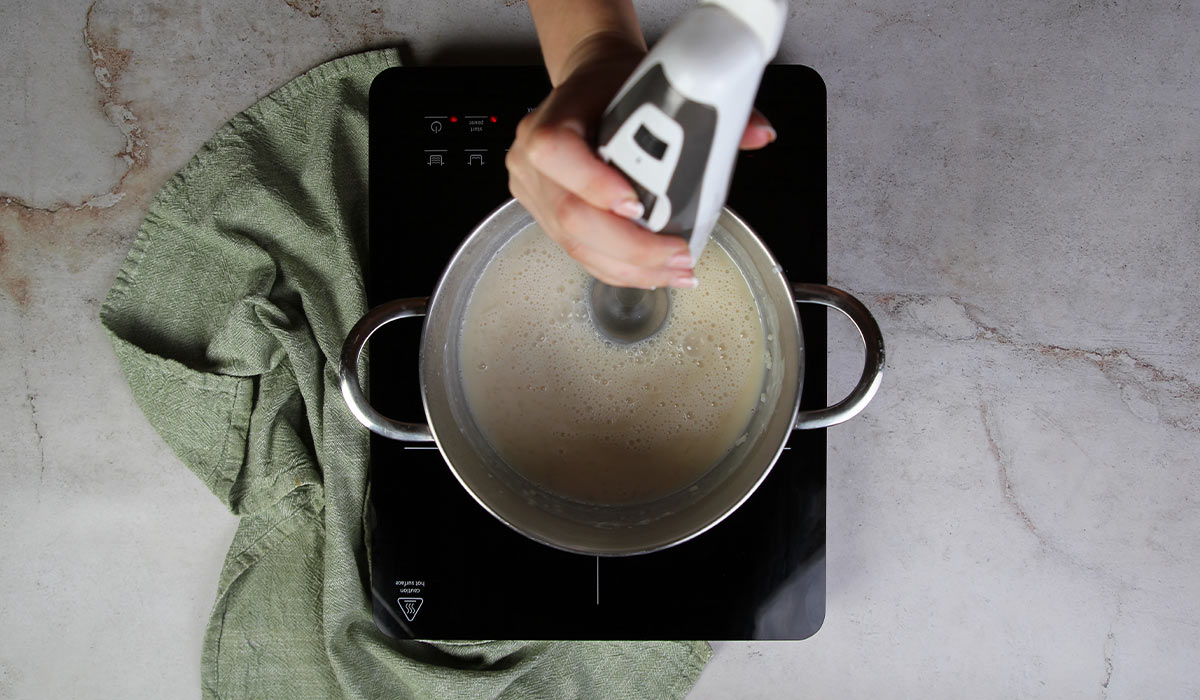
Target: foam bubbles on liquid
{"points": [[594, 420]]}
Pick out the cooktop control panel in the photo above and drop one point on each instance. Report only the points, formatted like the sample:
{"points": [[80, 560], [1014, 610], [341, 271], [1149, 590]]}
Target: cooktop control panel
{"points": [[444, 159], [461, 144]]}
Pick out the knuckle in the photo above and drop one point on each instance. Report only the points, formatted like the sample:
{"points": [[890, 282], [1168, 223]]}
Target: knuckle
{"points": [[629, 277], [645, 256], [575, 249], [621, 274], [543, 141], [568, 212], [525, 125], [512, 163], [597, 186]]}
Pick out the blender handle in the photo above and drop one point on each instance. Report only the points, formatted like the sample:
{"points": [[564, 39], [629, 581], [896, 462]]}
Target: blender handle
{"points": [[352, 392], [872, 374]]}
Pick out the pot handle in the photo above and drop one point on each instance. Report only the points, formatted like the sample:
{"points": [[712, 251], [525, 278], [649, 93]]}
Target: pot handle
{"points": [[352, 392], [872, 374]]}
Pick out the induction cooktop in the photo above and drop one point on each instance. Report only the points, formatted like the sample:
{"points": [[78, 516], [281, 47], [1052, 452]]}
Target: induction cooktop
{"points": [[441, 566]]}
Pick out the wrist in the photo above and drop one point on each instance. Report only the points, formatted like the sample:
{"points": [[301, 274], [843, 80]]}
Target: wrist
{"points": [[575, 33], [604, 47]]}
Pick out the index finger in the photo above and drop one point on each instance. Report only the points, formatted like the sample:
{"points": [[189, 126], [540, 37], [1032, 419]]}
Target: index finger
{"points": [[561, 154]]}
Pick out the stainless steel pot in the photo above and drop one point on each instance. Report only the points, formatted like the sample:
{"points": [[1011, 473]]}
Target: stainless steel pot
{"points": [[620, 529]]}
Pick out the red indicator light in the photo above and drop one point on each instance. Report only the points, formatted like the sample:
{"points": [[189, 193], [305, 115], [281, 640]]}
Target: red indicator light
{"points": [[453, 119], [493, 120]]}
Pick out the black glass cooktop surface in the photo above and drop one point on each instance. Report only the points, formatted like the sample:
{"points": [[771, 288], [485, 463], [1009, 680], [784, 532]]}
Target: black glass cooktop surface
{"points": [[442, 567]]}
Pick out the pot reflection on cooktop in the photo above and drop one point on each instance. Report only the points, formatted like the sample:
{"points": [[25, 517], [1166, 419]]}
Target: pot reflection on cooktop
{"points": [[441, 566]]}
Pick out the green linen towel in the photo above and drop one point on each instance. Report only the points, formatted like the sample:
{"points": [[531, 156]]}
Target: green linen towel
{"points": [[227, 318]]}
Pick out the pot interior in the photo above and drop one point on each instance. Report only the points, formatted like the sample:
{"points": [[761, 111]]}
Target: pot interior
{"points": [[589, 528]]}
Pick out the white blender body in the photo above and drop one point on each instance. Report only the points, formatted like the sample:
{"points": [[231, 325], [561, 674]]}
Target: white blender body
{"points": [[675, 126], [674, 130]]}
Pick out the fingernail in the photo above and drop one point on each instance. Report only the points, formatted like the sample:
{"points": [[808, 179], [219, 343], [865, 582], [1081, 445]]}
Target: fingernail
{"points": [[680, 261], [629, 208], [771, 133], [685, 282]]}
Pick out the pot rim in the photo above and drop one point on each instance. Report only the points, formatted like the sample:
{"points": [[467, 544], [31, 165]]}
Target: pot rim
{"points": [[770, 274]]}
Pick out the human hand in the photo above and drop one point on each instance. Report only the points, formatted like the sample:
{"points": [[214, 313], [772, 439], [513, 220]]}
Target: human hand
{"points": [[582, 203]]}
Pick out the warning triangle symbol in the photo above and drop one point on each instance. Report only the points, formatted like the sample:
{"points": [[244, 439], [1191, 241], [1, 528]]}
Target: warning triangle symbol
{"points": [[409, 607]]}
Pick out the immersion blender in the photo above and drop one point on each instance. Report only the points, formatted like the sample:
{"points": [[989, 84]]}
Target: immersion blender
{"points": [[674, 129]]}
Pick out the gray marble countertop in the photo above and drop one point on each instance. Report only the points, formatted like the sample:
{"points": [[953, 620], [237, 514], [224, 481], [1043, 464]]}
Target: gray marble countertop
{"points": [[1013, 191]]}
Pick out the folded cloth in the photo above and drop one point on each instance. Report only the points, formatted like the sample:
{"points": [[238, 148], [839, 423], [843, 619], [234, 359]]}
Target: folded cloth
{"points": [[227, 318]]}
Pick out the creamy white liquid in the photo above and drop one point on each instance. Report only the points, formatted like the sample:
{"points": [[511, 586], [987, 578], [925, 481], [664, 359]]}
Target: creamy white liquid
{"points": [[597, 421]]}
